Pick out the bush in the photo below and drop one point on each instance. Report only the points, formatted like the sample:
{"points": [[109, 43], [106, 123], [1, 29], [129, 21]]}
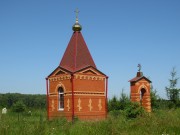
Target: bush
{"points": [[134, 110], [19, 107], [115, 113]]}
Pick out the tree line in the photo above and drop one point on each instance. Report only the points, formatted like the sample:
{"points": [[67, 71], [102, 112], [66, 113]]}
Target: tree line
{"points": [[29, 100]]}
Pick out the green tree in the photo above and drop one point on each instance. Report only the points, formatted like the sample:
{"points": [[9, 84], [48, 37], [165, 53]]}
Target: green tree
{"points": [[154, 98], [124, 101], [19, 107], [116, 104], [113, 104], [172, 91]]}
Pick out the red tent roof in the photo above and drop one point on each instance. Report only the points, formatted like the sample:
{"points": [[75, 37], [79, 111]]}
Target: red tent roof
{"points": [[77, 55], [135, 79]]}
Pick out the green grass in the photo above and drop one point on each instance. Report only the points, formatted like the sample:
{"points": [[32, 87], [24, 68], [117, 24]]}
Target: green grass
{"points": [[166, 122]]}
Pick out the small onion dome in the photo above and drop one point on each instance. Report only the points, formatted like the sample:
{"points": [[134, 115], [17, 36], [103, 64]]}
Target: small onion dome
{"points": [[77, 26]]}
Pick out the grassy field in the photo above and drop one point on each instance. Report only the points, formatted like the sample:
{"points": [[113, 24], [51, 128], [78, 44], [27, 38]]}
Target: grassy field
{"points": [[161, 122]]}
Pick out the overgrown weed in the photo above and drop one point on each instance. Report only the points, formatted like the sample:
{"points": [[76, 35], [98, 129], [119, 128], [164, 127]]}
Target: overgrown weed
{"points": [[159, 122]]}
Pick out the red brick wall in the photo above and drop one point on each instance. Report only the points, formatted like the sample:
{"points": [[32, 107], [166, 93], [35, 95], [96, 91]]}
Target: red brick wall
{"points": [[135, 93], [89, 96]]}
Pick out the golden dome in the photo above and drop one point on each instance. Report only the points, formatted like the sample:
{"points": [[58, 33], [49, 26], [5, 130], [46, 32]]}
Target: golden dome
{"points": [[77, 26]]}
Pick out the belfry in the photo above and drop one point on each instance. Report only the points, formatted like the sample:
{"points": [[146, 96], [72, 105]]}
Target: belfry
{"points": [[76, 88], [140, 90]]}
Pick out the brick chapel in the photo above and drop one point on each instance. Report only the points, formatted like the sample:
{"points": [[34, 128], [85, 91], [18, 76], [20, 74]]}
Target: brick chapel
{"points": [[76, 88], [140, 87]]}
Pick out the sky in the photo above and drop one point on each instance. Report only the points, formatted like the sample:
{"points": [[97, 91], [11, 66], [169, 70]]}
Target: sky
{"points": [[120, 34]]}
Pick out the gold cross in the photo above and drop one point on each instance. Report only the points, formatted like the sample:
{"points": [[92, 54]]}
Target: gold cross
{"points": [[77, 12]]}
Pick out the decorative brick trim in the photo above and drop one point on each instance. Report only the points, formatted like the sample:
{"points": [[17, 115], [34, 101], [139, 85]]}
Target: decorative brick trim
{"points": [[90, 105], [89, 77], [79, 105], [141, 87], [100, 105], [68, 106], [64, 77], [92, 93]]}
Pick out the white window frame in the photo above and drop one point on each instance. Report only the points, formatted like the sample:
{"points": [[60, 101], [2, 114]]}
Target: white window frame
{"points": [[59, 99]]}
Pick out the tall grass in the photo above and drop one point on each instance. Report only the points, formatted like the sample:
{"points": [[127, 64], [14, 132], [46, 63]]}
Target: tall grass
{"points": [[157, 123]]}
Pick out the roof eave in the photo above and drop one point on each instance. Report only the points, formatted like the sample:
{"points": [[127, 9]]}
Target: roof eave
{"points": [[90, 67], [60, 68]]}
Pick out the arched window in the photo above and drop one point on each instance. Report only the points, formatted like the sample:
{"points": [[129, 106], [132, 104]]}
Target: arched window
{"points": [[61, 98], [142, 92]]}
